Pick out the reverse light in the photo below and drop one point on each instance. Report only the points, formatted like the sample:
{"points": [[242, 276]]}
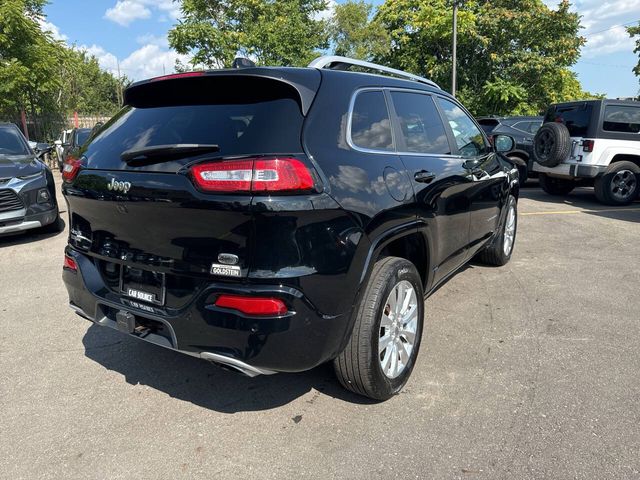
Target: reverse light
{"points": [[253, 175], [259, 306], [587, 145], [71, 168], [70, 264]]}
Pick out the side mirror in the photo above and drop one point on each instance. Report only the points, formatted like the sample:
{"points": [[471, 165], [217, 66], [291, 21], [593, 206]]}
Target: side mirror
{"points": [[504, 143]]}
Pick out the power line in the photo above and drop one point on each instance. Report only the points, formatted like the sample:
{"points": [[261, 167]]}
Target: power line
{"points": [[605, 64], [610, 28]]}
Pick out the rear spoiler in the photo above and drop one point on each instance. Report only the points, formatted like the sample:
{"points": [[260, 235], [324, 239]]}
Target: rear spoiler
{"points": [[226, 86]]}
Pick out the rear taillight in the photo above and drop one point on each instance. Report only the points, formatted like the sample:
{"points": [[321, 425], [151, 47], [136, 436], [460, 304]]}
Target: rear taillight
{"points": [[587, 145], [255, 175], [259, 306], [71, 168], [70, 264]]}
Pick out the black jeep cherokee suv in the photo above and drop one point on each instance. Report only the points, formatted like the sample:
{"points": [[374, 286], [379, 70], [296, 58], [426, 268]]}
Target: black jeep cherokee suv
{"points": [[273, 219]]}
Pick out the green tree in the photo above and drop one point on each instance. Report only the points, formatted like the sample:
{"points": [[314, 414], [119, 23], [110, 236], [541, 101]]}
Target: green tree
{"points": [[86, 87], [46, 78], [273, 32], [635, 32], [513, 56], [354, 34], [29, 60]]}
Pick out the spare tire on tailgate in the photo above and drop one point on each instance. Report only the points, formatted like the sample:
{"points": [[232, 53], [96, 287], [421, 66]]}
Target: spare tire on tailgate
{"points": [[552, 144]]}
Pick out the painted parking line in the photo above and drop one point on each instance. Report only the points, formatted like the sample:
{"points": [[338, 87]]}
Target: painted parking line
{"points": [[569, 212]]}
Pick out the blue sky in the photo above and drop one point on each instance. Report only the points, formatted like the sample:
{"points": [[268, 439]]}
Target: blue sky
{"points": [[133, 34]]}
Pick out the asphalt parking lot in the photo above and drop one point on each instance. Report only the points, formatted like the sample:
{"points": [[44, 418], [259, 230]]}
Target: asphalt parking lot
{"points": [[529, 371]]}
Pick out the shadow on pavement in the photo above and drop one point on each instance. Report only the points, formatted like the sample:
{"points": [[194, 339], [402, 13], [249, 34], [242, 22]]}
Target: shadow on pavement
{"points": [[202, 383], [28, 236]]}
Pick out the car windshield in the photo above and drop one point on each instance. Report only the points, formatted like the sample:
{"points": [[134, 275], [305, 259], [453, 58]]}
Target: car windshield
{"points": [[11, 142], [82, 135]]}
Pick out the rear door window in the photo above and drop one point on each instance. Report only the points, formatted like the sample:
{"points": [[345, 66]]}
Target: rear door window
{"points": [[370, 124], [620, 118], [420, 123], [575, 117]]}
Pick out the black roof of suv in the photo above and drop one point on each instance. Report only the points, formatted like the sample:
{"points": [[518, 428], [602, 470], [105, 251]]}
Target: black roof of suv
{"points": [[272, 219], [598, 118]]}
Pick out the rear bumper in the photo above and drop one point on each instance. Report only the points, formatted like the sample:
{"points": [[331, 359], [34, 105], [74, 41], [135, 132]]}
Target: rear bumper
{"points": [[571, 170], [297, 341]]}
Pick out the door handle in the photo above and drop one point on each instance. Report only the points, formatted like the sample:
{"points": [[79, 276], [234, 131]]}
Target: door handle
{"points": [[424, 177]]}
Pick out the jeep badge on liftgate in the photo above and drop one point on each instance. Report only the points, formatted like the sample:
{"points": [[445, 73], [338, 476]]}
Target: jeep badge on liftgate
{"points": [[116, 186]]}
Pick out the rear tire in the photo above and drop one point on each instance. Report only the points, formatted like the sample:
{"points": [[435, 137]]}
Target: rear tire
{"points": [[619, 184], [499, 251], [363, 367], [556, 186]]}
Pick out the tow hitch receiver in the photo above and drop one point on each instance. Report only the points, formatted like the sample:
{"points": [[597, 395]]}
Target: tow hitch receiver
{"points": [[125, 321]]}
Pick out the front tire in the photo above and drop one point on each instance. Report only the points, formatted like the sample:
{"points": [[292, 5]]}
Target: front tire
{"points": [[385, 341], [556, 186], [499, 251], [619, 184]]}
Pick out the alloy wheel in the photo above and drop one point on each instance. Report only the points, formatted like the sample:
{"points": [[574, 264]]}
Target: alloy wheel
{"points": [[398, 328]]}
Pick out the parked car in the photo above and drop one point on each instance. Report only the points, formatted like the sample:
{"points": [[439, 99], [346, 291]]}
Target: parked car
{"points": [[595, 142], [27, 189], [63, 139], [75, 140], [522, 129], [273, 219]]}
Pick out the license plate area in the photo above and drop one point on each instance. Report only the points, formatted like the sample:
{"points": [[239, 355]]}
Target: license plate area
{"points": [[143, 285]]}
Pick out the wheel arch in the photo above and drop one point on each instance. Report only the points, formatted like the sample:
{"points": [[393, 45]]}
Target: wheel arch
{"points": [[625, 157]]}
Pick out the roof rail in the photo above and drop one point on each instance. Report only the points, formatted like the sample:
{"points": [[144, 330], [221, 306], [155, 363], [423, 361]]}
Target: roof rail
{"points": [[336, 62]]}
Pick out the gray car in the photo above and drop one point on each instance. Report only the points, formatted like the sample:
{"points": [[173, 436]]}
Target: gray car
{"points": [[27, 188]]}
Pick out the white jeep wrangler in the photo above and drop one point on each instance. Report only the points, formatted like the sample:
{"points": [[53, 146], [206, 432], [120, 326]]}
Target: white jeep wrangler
{"points": [[594, 142]]}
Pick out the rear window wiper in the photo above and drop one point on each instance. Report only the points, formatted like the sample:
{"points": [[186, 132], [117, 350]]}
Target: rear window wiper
{"points": [[159, 153]]}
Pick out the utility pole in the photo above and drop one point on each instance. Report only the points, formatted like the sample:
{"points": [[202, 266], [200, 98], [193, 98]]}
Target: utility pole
{"points": [[455, 47], [120, 94]]}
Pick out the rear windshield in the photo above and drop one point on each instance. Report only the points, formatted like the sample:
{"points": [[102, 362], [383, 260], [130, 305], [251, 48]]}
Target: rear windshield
{"points": [[620, 118], [11, 142], [263, 127], [575, 117]]}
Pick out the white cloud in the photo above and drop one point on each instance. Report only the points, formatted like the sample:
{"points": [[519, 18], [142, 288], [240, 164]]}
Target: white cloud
{"points": [[124, 12], [46, 26], [150, 61], [149, 39], [598, 18], [107, 60], [614, 40]]}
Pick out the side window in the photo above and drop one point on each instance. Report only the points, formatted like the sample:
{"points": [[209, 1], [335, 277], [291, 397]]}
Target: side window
{"points": [[468, 137], [420, 122], [618, 118], [370, 125], [534, 127]]}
